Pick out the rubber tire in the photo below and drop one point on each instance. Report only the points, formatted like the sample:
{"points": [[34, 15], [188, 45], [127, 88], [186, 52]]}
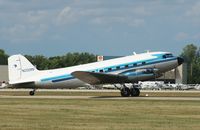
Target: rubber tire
{"points": [[125, 92], [31, 93], [135, 92]]}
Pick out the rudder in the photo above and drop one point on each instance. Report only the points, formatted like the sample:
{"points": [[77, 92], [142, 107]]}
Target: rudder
{"points": [[19, 68]]}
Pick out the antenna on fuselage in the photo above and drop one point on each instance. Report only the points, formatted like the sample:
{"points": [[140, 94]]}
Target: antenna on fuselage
{"points": [[134, 53]]}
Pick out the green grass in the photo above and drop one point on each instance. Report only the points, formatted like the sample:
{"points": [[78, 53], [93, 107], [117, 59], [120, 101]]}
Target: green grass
{"points": [[59, 93], [92, 93], [98, 114]]}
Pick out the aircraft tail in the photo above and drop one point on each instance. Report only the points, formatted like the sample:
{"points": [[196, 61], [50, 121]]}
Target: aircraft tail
{"points": [[20, 68]]}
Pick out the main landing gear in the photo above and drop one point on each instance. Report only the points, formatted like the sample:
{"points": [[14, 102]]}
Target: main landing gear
{"points": [[32, 92], [126, 92]]}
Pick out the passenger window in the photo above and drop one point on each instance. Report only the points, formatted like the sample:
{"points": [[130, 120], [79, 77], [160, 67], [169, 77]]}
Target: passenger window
{"points": [[167, 56], [130, 65], [126, 66], [118, 67], [164, 56], [100, 70], [114, 68], [135, 64], [122, 67], [143, 63], [109, 69]]}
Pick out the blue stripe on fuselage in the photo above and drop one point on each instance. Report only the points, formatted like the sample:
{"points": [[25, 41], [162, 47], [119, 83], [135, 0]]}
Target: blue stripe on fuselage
{"points": [[64, 79], [55, 78], [159, 59]]}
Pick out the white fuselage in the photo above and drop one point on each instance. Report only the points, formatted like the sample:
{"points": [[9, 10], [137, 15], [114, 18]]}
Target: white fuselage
{"points": [[62, 78]]}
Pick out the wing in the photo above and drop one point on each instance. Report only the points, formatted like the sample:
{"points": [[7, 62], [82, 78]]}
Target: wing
{"points": [[99, 78], [130, 76]]}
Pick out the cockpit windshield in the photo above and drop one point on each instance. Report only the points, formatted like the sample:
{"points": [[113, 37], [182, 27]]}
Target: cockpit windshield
{"points": [[169, 55]]}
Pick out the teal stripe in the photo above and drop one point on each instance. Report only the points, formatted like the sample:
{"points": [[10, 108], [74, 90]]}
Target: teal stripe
{"points": [[56, 78], [139, 64]]}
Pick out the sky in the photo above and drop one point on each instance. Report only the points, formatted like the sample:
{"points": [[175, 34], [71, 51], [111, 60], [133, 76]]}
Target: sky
{"points": [[103, 27]]}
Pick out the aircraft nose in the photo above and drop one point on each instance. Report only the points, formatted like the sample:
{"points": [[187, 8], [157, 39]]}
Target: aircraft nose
{"points": [[180, 60]]}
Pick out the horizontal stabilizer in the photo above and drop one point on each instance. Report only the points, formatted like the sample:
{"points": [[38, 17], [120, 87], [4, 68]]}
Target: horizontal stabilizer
{"points": [[99, 78], [22, 82]]}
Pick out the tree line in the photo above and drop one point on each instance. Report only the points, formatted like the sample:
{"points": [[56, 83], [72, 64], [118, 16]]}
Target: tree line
{"points": [[44, 63], [190, 53], [69, 59], [3, 57]]}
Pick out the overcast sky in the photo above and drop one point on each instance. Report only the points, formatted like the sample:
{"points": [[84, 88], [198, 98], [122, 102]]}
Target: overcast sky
{"points": [[105, 27]]}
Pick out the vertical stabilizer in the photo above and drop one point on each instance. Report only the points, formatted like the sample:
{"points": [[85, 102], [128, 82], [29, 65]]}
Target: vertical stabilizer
{"points": [[20, 68]]}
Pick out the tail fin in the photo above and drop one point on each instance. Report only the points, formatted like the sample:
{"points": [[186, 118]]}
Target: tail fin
{"points": [[20, 68]]}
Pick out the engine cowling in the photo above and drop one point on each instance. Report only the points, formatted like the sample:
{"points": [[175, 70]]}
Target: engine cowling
{"points": [[142, 74]]}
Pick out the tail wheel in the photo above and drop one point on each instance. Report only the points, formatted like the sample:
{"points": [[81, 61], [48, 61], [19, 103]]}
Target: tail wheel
{"points": [[125, 92], [31, 93], [135, 92]]}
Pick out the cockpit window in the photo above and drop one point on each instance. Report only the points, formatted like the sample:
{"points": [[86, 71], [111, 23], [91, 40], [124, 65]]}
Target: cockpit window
{"points": [[167, 55]]}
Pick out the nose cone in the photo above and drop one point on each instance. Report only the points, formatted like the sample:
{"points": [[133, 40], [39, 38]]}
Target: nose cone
{"points": [[180, 60]]}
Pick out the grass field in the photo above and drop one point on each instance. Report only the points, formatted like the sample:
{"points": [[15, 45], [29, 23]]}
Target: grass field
{"points": [[98, 114], [92, 93]]}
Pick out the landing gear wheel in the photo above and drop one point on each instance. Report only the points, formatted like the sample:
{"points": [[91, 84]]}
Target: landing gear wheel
{"points": [[135, 92], [125, 92], [32, 93]]}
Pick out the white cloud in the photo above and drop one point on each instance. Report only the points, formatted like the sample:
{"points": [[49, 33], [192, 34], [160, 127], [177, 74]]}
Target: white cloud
{"points": [[182, 36], [37, 16], [186, 36], [31, 21], [137, 22], [19, 33], [25, 25], [196, 36], [133, 22], [141, 10], [193, 14], [66, 15], [181, 1], [75, 11], [194, 11], [97, 12]]}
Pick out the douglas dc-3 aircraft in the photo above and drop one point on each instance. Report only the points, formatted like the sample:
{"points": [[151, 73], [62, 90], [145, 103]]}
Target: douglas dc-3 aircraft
{"points": [[129, 69]]}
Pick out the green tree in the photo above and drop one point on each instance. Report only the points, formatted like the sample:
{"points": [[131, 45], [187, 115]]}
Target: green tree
{"points": [[54, 62], [39, 61], [196, 72], [69, 59], [191, 55], [3, 57]]}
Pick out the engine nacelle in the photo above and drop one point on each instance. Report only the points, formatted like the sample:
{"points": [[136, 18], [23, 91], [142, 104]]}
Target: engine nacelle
{"points": [[142, 74]]}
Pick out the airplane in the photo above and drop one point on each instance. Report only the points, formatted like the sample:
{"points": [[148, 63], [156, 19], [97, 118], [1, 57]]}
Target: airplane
{"points": [[128, 69]]}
